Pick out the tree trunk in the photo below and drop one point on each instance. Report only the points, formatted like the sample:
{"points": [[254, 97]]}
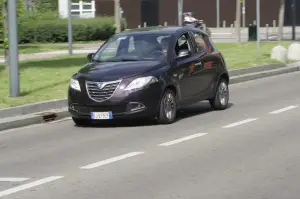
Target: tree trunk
{"points": [[238, 21], [281, 20]]}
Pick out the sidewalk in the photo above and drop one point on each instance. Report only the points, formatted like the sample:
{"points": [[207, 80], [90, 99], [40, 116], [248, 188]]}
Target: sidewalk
{"points": [[86, 48]]}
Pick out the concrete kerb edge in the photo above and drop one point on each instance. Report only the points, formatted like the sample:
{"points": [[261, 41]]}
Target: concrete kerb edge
{"points": [[30, 120], [33, 108], [236, 77], [26, 120], [259, 75], [255, 69]]}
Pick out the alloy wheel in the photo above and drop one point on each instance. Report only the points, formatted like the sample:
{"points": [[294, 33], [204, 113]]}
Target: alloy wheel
{"points": [[223, 90], [169, 106]]}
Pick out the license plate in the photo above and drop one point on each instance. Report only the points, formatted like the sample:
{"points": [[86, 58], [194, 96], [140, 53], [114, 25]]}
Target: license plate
{"points": [[101, 115]]}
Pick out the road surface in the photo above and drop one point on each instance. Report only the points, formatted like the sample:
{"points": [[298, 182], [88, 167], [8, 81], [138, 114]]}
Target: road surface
{"points": [[251, 150]]}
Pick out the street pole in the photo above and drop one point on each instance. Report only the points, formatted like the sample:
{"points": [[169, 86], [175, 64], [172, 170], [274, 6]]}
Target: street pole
{"points": [[180, 5], [218, 13], [258, 26], [13, 56], [117, 16], [30, 4], [70, 27], [238, 21], [293, 19], [244, 13]]}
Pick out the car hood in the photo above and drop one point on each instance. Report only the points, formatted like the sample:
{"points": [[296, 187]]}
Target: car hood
{"points": [[110, 71]]}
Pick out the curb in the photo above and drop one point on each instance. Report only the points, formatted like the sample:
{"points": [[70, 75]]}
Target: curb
{"points": [[33, 108], [44, 112], [260, 75], [255, 69], [26, 120]]}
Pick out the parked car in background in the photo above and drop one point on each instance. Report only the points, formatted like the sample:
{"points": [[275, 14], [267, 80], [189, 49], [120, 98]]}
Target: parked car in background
{"points": [[149, 73]]}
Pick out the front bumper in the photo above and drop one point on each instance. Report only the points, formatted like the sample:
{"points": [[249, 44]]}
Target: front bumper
{"points": [[123, 104]]}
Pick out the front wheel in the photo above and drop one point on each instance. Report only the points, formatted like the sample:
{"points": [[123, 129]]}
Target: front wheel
{"points": [[221, 98], [167, 108]]}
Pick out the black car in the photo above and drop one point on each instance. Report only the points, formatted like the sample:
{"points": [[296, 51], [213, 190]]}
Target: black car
{"points": [[149, 73]]}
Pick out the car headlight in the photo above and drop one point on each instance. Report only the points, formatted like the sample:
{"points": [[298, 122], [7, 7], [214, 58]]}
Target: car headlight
{"points": [[74, 84], [141, 82]]}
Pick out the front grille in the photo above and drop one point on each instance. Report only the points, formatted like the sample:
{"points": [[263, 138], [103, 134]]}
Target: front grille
{"points": [[101, 91], [86, 110]]}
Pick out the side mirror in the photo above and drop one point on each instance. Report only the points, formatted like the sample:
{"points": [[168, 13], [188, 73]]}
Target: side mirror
{"points": [[90, 56], [184, 53]]}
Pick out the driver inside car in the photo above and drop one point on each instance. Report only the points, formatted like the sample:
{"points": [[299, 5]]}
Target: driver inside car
{"points": [[146, 47], [165, 44]]}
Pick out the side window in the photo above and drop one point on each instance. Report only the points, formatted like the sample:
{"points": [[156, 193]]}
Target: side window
{"points": [[131, 45], [200, 43], [183, 43]]}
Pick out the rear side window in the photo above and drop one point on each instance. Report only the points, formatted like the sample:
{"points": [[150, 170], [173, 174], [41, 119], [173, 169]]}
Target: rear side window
{"points": [[200, 42]]}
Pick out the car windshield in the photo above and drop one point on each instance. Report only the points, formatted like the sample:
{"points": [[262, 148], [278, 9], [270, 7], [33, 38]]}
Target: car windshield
{"points": [[134, 47]]}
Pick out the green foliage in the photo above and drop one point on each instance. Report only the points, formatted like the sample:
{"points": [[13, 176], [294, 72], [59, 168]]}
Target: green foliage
{"points": [[45, 5], [43, 24], [33, 30], [38, 16], [3, 16]]}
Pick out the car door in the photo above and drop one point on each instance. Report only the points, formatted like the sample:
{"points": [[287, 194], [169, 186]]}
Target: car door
{"points": [[182, 68], [205, 71]]}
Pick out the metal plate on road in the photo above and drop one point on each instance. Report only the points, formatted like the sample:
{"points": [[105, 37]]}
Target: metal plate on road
{"points": [[101, 115]]}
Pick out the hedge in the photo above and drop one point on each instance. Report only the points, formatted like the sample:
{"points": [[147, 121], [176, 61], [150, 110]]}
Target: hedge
{"points": [[52, 30]]}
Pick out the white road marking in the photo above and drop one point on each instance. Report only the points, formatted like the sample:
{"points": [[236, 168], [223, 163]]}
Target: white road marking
{"points": [[29, 185], [111, 160], [13, 179], [283, 109], [240, 123], [182, 139]]}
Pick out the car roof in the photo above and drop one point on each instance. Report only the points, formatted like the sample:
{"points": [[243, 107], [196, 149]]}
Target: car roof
{"points": [[173, 30]]}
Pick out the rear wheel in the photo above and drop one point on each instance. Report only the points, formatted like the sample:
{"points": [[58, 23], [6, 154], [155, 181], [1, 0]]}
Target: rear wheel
{"points": [[81, 122], [168, 108], [221, 98]]}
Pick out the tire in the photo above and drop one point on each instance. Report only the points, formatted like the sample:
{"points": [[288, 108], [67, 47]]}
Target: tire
{"points": [[81, 122], [167, 108], [221, 98]]}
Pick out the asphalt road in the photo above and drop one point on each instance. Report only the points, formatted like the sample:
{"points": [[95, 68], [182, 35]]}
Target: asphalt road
{"points": [[251, 150]]}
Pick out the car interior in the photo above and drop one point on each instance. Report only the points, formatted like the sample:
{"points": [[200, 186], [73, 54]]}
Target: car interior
{"points": [[182, 44]]}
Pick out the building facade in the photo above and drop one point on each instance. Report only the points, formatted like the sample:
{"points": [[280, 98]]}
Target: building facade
{"points": [[156, 12], [79, 9]]}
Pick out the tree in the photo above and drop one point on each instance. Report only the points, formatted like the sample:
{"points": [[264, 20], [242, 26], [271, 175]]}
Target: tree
{"points": [[281, 19], [45, 5]]}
